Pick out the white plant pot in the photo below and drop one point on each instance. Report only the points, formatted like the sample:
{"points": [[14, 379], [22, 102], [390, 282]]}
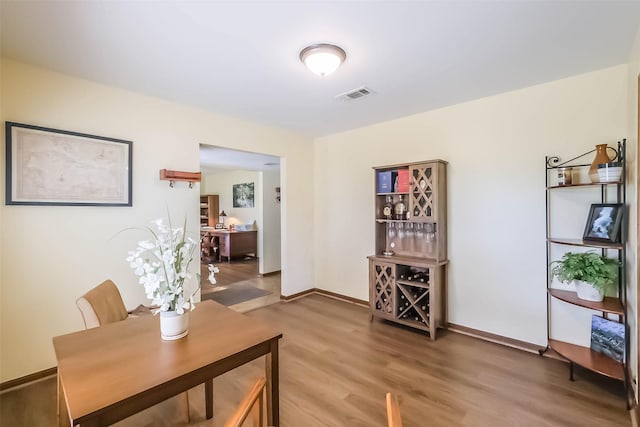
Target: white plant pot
{"points": [[173, 325], [587, 292]]}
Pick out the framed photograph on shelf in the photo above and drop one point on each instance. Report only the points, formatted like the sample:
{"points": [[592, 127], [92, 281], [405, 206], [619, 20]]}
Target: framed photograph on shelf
{"points": [[55, 167], [607, 337], [603, 223]]}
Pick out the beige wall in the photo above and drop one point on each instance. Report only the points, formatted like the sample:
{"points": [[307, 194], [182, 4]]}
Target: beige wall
{"points": [[270, 260], [496, 148], [221, 183], [52, 255]]}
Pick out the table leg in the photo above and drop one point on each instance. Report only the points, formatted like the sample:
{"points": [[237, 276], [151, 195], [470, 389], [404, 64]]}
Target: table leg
{"points": [[208, 398], [63, 415], [273, 385]]}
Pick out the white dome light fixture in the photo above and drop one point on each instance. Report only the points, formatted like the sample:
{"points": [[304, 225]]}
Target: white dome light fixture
{"points": [[323, 58]]}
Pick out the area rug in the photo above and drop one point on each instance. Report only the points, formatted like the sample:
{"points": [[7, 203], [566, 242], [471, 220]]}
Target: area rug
{"points": [[235, 294]]}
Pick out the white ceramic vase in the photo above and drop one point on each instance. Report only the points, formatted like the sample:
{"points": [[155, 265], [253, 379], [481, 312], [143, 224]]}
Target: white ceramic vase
{"points": [[173, 326], [587, 292]]}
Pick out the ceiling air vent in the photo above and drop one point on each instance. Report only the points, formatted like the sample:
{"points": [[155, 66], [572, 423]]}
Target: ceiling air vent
{"points": [[361, 92]]}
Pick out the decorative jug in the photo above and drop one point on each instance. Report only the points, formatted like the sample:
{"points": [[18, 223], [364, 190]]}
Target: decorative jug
{"points": [[601, 157]]}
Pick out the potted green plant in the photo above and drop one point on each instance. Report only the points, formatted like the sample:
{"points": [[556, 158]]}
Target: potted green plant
{"points": [[592, 273]]}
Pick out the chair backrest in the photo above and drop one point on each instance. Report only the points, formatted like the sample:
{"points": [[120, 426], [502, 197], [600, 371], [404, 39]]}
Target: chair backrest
{"points": [[101, 305], [393, 412], [254, 396]]}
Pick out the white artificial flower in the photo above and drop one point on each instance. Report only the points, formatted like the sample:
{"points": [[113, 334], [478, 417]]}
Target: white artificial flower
{"points": [[138, 266], [144, 244], [163, 267], [212, 273]]}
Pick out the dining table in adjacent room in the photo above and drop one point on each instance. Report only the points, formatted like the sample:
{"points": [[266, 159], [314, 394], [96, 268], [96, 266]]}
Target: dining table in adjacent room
{"points": [[111, 372]]}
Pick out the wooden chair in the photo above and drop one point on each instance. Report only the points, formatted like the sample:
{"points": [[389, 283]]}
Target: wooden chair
{"points": [[103, 305], [393, 412], [255, 395]]}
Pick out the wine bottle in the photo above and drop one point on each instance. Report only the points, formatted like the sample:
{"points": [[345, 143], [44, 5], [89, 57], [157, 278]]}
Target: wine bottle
{"points": [[400, 209], [387, 210]]}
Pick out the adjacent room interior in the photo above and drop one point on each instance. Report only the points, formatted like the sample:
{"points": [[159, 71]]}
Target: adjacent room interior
{"points": [[241, 237]]}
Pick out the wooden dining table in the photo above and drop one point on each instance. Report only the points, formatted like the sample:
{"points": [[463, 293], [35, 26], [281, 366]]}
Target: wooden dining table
{"points": [[111, 372]]}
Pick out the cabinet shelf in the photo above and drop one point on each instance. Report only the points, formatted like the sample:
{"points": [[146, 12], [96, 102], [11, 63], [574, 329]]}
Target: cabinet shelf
{"points": [[589, 359], [412, 261], [609, 305], [393, 193], [384, 220], [412, 283], [580, 242]]}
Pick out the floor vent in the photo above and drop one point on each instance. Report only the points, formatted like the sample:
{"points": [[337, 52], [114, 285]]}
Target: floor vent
{"points": [[351, 95]]}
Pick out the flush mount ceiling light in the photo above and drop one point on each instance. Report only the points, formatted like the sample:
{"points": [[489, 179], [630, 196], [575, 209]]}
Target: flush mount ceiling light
{"points": [[322, 58]]}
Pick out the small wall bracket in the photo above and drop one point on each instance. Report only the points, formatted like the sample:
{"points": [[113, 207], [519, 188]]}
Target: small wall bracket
{"points": [[173, 176]]}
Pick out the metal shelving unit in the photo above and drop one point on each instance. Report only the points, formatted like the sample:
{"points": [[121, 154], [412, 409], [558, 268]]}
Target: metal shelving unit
{"points": [[616, 306]]}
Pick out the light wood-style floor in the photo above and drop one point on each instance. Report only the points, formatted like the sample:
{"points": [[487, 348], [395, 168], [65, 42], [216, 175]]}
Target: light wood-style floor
{"points": [[238, 273], [336, 366]]}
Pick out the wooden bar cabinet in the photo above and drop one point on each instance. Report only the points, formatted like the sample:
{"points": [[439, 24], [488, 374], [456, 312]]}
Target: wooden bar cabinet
{"points": [[407, 273]]}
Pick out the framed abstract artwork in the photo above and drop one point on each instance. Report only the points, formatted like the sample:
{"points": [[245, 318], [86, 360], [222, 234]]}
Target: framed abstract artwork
{"points": [[243, 196]]}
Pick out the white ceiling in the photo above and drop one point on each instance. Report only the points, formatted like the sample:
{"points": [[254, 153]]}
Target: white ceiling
{"points": [[240, 58], [217, 159]]}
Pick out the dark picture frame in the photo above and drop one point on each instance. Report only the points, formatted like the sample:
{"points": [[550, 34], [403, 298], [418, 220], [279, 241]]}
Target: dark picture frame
{"points": [[603, 223], [243, 195], [46, 166]]}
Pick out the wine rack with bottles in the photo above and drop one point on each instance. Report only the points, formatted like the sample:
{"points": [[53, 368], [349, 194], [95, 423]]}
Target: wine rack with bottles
{"points": [[407, 274]]}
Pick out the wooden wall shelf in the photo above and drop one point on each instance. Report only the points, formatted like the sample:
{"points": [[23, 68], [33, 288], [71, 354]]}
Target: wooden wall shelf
{"points": [[173, 176], [585, 243], [609, 305], [589, 359]]}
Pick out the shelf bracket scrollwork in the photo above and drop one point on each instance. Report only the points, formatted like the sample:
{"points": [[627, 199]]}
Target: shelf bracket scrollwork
{"points": [[552, 162]]}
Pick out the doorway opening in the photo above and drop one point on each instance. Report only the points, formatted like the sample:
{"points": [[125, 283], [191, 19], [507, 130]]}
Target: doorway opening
{"points": [[240, 227]]}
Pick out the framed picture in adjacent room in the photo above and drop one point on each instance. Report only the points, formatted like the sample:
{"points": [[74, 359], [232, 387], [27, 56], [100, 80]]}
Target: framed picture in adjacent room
{"points": [[243, 196], [55, 167], [603, 223]]}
